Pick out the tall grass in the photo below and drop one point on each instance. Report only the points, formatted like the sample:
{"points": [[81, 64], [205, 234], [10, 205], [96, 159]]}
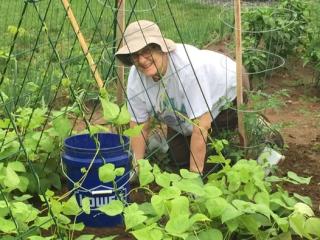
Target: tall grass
{"points": [[183, 21], [197, 22]]}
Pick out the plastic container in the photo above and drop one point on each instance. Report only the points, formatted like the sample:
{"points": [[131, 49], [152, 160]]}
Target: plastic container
{"points": [[271, 156], [80, 152]]}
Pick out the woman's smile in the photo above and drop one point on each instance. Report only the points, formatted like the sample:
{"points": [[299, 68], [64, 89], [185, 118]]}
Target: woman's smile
{"points": [[146, 66], [148, 69], [151, 62]]}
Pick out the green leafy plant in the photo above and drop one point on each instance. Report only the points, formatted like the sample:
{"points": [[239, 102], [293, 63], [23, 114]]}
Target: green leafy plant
{"points": [[259, 103], [117, 117], [238, 201], [20, 218], [27, 151], [259, 131], [311, 40], [24, 141], [273, 30], [42, 147]]}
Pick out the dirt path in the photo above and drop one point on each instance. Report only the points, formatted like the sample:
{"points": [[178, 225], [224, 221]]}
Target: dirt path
{"points": [[301, 120]]}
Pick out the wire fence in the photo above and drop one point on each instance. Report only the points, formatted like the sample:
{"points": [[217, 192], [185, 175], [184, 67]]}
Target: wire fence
{"points": [[48, 92], [45, 87]]}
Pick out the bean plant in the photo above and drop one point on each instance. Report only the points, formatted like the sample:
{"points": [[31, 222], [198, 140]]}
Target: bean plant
{"points": [[29, 165], [238, 202]]}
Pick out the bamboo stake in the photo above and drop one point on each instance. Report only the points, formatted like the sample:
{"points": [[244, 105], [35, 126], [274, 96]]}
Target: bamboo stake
{"points": [[83, 43], [120, 30], [237, 14]]}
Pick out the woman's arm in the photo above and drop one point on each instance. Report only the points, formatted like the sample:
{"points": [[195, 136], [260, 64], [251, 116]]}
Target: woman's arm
{"points": [[198, 145], [138, 143]]}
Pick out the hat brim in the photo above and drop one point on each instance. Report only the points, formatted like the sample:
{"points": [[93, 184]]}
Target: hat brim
{"points": [[123, 54]]}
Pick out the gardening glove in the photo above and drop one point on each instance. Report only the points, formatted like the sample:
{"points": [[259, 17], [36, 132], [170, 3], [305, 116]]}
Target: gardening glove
{"points": [[157, 141]]}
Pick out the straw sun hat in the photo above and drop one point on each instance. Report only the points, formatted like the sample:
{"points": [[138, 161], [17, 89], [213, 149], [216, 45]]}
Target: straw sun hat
{"points": [[138, 35]]}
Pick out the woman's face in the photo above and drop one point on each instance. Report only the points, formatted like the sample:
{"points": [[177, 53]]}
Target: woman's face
{"points": [[151, 61]]}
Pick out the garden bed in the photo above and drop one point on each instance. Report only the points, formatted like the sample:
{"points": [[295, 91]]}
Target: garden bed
{"points": [[301, 131], [301, 119]]}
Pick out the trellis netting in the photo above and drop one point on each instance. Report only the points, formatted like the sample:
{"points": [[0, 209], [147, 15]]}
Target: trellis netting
{"points": [[48, 92]]}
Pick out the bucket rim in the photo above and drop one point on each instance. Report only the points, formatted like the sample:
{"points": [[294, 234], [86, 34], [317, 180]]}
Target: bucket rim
{"points": [[126, 142]]}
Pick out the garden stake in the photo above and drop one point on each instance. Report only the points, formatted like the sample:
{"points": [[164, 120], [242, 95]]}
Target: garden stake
{"points": [[83, 43], [237, 14], [120, 30]]}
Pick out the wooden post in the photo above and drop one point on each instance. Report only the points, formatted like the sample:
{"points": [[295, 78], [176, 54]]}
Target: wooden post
{"points": [[237, 14], [120, 30], [83, 43]]}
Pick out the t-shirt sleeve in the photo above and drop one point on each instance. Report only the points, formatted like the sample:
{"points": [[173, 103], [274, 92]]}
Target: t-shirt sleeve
{"points": [[137, 106]]}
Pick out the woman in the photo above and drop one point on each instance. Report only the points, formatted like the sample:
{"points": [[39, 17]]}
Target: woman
{"points": [[180, 85]]}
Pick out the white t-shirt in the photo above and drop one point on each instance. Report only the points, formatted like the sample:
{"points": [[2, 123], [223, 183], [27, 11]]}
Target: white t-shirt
{"points": [[196, 81]]}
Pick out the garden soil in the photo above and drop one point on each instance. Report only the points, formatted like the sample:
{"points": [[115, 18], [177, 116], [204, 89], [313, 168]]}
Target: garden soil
{"points": [[300, 119], [301, 132]]}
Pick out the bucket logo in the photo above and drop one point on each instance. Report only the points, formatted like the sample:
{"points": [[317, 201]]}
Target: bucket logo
{"points": [[99, 199]]}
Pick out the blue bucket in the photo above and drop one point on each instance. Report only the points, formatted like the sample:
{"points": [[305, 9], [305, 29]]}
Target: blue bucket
{"points": [[79, 152]]}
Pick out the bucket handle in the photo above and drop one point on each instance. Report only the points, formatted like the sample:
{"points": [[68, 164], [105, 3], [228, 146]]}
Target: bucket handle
{"points": [[100, 192]]}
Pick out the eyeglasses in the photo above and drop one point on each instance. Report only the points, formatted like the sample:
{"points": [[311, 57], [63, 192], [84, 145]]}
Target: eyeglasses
{"points": [[145, 52]]}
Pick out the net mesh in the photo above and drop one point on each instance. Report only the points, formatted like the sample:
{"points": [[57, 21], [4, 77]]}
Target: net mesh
{"points": [[48, 92]]}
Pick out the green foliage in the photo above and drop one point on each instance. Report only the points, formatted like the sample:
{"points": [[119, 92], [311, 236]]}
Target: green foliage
{"points": [[131, 132], [238, 201], [117, 116], [26, 217], [29, 162], [43, 78], [112, 209], [183, 205], [259, 131], [108, 173], [112, 113], [110, 110], [273, 30], [311, 40], [32, 135], [41, 146]]}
